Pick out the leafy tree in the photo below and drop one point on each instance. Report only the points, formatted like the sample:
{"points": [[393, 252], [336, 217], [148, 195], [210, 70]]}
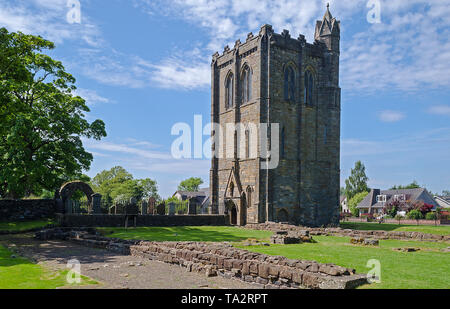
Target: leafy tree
{"points": [[431, 216], [118, 184], [392, 208], [357, 182], [446, 193], [354, 202], [149, 188], [190, 185], [41, 121], [413, 185]]}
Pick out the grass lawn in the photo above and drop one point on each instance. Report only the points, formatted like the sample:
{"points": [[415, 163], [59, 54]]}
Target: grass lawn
{"points": [[19, 273], [25, 225], [428, 268], [438, 230], [197, 233]]}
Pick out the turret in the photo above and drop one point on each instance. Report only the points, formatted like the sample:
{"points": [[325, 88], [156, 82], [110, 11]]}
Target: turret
{"points": [[328, 31]]}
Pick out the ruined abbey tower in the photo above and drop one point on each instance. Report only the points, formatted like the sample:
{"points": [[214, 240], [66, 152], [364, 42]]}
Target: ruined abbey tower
{"points": [[275, 78]]}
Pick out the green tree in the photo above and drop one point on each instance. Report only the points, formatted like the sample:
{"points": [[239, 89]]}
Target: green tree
{"points": [[446, 193], [118, 184], [149, 188], [41, 121], [413, 185], [354, 202], [190, 185], [357, 182]]}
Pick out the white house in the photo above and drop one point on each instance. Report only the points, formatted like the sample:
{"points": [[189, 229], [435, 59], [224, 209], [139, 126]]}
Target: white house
{"points": [[443, 201]]}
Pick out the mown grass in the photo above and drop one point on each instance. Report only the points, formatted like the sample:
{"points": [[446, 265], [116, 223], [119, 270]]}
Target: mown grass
{"points": [[428, 229], [20, 273], [426, 269], [23, 226], [197, 233]]}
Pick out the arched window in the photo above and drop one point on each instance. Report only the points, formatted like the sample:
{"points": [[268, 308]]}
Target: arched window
{"points": [[249, 197], [283, 143], [309, 88], [229, 101], [246, 84], [289, 84]]}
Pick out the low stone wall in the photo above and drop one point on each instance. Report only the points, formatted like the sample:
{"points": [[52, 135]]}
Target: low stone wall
{"points": [[214, 259], [403, 222], [350, 233], [141, 221], [19, 210]]}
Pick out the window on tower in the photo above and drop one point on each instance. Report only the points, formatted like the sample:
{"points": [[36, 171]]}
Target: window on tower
{"points": [[309, 88], [229, 102], [289, 84], [246, 84]]}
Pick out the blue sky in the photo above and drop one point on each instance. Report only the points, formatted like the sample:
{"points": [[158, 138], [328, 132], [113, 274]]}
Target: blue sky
{"points": [[144, 65]]}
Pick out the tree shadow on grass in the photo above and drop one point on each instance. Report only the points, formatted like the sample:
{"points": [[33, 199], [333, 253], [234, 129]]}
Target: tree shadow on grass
{"points": [[60, 251], [371, 226]]}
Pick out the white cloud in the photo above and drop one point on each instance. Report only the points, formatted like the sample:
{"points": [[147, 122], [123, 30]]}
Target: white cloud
{"points": [[440, 110], [410, 50], [126, 149], [135, 154], [174, 73], [48, 19], [420, 143], [391, 116], [91, 96]]}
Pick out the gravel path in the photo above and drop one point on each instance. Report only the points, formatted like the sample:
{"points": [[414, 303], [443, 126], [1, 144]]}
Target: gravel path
{"points": [[112, 270]]}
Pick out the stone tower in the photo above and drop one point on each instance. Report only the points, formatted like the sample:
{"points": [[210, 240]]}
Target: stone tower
{"points": [[276, 79]]}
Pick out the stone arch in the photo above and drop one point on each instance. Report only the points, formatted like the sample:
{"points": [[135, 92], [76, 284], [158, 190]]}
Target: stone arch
{"points": [[229, 90], [283, 215], [246, 81], [68, 189], [289, 82], [310, 86]]}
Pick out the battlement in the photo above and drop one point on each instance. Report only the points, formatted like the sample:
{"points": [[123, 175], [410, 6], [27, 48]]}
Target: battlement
{"points": [[283, 38]]}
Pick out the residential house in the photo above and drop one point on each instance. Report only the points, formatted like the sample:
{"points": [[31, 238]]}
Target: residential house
{"points": [[377, 199], [344, 204], [200, 197], [443, 201]]}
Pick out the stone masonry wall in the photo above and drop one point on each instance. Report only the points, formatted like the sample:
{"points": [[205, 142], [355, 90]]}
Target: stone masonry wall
{"points": [[213, 259], [17, 210]]}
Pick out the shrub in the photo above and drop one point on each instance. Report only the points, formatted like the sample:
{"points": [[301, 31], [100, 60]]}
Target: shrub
{"points": [[431, 216], [415, 215]]}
